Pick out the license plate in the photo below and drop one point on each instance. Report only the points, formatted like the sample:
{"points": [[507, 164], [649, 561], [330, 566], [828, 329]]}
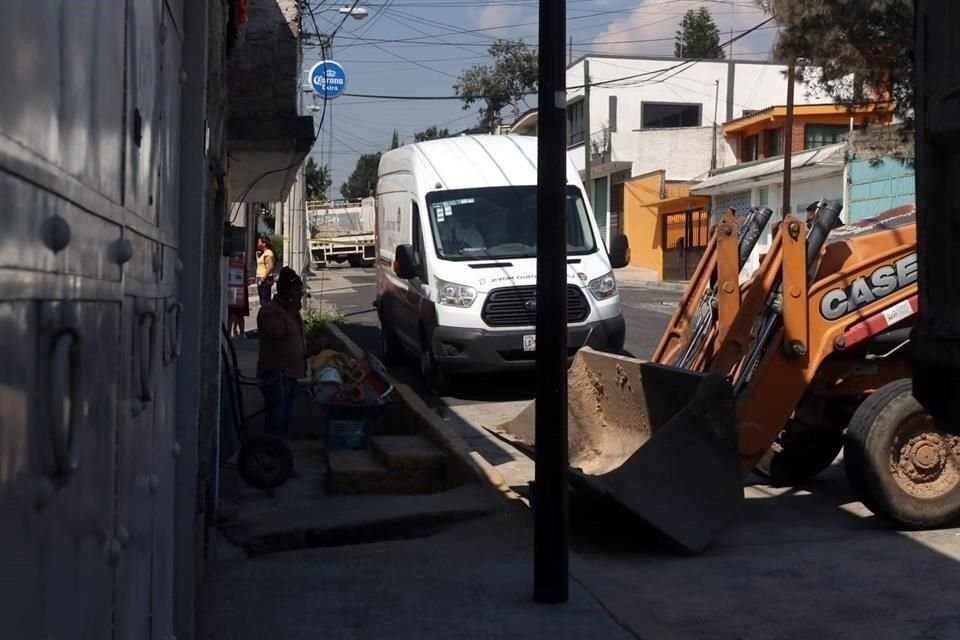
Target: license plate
{"points": [[530, 342]]}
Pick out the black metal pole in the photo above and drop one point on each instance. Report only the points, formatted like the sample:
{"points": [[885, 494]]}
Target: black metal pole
{"points": [[788, 141], [550, 561]]}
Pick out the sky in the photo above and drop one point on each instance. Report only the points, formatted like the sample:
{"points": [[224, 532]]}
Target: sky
{"points": [[420, 47]]}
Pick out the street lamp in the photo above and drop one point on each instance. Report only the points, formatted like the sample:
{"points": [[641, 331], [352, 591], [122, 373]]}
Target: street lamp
{"points": [[358, 13]]}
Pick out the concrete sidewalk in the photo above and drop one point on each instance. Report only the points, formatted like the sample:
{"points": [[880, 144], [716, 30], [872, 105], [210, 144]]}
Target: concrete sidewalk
{"points": [[305, 565], [631, 277]]}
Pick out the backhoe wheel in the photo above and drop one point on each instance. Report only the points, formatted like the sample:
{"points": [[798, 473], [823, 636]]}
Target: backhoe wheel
{"points": [[800, 453], [900, 465]]}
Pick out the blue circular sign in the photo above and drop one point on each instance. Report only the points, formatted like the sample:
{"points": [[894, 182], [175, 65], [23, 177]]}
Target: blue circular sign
{"points": [[328, 79]]}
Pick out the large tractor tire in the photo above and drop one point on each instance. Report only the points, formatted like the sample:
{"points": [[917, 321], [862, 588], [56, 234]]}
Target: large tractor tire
{"points": [[899, 463], [800, 453]]}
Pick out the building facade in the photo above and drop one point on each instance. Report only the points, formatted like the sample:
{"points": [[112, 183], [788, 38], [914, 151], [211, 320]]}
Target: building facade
{"points": [[653, 113], [118, 164]]}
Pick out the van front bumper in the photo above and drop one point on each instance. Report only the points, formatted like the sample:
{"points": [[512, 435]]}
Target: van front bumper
{"points": [[460, 350]]}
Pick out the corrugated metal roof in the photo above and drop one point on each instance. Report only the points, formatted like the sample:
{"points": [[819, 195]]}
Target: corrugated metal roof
{"points": [[828, 156]]}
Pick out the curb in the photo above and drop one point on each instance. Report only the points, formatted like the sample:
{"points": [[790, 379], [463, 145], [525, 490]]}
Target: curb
{"points": [[654, 284], [467, 465]]}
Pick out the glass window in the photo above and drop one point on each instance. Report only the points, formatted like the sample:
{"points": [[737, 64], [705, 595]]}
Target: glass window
{"points": [[575, 123], [819, 135], [417, 237], [500, 223], [763, 196], [665, 115], [750, 151], [772, 142]]}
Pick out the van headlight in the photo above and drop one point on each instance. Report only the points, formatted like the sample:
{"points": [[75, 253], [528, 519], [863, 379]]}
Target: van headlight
{"points": [[604, 287], [455, 295]]}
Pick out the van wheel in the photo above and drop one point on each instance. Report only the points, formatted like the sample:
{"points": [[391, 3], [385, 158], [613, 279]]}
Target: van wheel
{"points": [[389, 343], [899, 463], [436, 379]]}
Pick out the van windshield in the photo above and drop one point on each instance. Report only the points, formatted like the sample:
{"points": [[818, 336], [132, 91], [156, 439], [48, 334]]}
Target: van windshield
{"points": [[500, 222]]}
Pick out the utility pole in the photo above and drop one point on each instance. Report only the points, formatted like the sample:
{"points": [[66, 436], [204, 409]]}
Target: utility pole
{"points": [[550, 536], [587, 176], [788, 140], [716, 102], [570, 52]]}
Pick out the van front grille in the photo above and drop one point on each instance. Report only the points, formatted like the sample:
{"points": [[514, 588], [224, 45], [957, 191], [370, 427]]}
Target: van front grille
{"points": [[508, 307]]}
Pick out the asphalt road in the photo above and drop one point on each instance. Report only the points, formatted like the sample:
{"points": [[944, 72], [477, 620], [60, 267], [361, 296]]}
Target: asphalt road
{"points": [[352, 292]]}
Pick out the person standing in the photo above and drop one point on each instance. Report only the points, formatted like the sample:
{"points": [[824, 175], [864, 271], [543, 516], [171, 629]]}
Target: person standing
{"points": [[281, 360], [266, 263]]}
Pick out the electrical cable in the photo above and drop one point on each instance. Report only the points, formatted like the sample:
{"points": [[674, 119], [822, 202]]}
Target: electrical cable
{"points": [[265, 174]]}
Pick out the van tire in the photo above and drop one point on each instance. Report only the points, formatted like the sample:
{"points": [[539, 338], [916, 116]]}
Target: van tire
{"points": [[389, 343], [436, 379]]}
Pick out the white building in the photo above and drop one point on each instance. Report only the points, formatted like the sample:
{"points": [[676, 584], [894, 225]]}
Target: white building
{"points": [[815, 174], [652, 113]]}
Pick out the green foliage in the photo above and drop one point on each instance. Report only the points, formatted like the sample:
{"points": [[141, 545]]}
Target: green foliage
{"points": [[363, 180], [268, 215], [315, 319], [395, 141], [277, 242], [431, 133], [855, 52], [698, 36], [505, 83], [318, 180]]}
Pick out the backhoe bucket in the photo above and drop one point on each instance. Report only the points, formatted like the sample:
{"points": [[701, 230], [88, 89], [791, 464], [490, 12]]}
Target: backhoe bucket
{"points": [[658, 440]]}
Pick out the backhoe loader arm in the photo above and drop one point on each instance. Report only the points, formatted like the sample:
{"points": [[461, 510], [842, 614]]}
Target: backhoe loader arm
{"points": [[861, 279]]}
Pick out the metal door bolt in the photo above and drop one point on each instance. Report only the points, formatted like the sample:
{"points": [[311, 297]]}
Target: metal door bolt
{"points": [[56, 233], [121, 251], [153, 483], [123, 536], [157, 263], [175, 449]]}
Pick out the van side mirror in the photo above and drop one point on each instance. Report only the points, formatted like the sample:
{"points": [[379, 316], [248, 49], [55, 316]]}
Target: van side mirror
{"points": [[619, 254], [403, 263]]}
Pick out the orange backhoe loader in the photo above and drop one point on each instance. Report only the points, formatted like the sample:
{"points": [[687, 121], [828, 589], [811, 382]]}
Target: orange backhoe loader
{"points": [[777, 374]]}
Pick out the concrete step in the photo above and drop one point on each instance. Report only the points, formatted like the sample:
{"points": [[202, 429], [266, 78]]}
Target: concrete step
{"points": [[407, 453], [361, 472]]}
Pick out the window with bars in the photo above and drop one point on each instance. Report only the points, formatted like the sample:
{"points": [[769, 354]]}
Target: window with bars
{"points": [[819, 135], [687, 229], [772, 142], [575, 123]]}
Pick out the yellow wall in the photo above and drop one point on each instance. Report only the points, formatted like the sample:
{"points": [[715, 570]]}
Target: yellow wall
{"points": [[642, 222]]}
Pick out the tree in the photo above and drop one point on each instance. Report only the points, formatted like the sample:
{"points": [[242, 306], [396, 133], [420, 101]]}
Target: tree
{"points": [[431, 133], [698, 36], [362, 181], [855, 52], [395, 142], [512, 76], [318, 180]]}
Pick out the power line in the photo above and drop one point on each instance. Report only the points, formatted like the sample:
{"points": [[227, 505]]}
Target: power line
{"points": [[649, 76]]}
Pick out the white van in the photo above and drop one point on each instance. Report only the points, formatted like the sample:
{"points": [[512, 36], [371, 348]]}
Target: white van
{"points": [[456, 257]]}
